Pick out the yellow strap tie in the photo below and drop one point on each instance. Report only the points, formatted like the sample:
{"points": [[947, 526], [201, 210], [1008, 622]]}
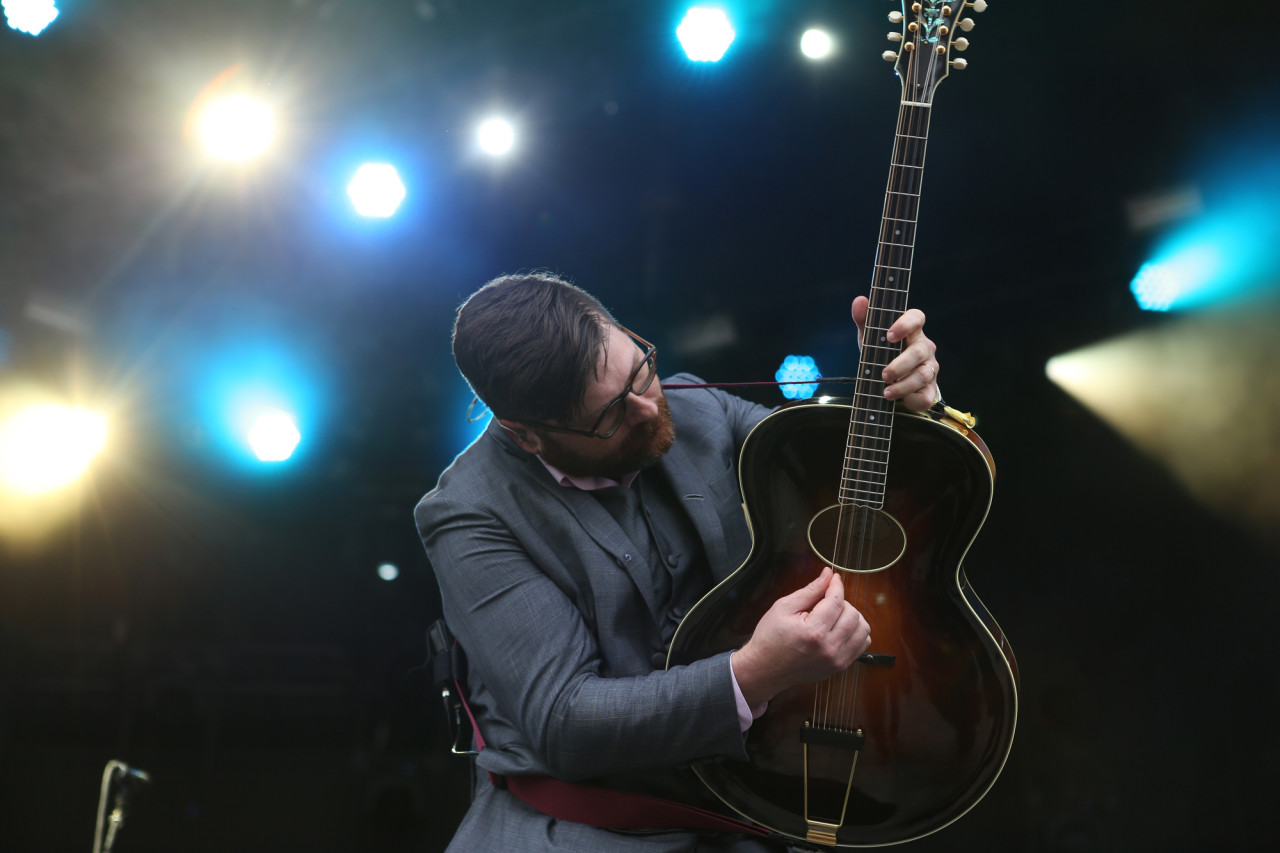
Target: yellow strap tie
{"points": [[962, 417]]}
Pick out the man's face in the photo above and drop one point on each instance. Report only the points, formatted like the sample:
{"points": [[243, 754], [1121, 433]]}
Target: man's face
{"points": [[645, 436]]}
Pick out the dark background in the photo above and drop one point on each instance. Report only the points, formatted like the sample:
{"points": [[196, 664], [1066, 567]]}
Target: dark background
{"points": [[222, 627]]}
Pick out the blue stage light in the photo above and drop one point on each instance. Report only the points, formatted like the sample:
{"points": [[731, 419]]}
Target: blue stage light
{"points": [[30, 16], [705, 34], [376, 190], [1231, 249], [274, 436], [256, 400], [798, 369]]}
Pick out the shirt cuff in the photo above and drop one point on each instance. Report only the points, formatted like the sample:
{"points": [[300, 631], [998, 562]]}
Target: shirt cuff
{"points": [[746, 713]]}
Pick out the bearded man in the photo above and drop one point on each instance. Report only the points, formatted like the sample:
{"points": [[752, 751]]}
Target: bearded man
{"points": [[571, 538]]}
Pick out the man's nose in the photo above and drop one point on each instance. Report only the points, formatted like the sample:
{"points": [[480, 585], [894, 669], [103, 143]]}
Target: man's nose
{"points": [[644, 407]]}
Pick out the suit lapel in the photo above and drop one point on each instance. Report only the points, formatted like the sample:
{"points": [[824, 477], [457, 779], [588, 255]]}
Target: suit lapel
{"points": [[693, 489], [597, 523]]}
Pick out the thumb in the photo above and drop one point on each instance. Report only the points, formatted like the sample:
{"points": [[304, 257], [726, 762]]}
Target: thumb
{"points": [[804, 598], [859, 311]]}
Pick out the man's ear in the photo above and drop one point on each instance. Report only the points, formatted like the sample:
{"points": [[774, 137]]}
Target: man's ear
{"points": [[525, 437]]}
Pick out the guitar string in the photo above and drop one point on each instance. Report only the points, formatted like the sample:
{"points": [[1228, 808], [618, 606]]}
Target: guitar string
{"points": [[865, 521]]}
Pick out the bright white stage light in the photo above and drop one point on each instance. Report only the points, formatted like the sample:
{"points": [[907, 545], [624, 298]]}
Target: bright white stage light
{"points": [[816, 44], [388, 572], [705, 34], [30, 16], [496, 137], [376, 190], [45, 447], [236, 128], [274, 436]]}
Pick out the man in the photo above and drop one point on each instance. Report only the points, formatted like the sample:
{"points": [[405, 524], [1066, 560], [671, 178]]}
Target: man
{"points": [[570, 539]]}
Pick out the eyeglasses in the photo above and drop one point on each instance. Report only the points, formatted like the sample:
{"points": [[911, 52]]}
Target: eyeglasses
{"points": [[612, 416]]}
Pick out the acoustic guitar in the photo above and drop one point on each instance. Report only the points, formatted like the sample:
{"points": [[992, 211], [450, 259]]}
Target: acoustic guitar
{"points": [[915, 733]]}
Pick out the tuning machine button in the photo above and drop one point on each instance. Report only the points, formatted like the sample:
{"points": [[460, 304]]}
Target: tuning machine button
{"points": [[967, 24], [959, 64], [895, 36], [961, 43], [889, 56], [896, 17], [978, 5]]}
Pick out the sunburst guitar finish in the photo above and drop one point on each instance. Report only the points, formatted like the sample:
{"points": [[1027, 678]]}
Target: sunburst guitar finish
{"points": [[916, 732]]}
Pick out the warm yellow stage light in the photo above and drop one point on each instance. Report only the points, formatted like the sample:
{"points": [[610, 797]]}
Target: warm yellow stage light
{"points": [[236, 128], [45, 447], [1199, 394]]}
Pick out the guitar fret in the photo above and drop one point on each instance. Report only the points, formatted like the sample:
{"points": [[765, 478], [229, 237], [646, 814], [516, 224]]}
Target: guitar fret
{"points": [[912, 195], [906, 165], [853, 494], [917, 104], [888, 267], [902, 245], [864, 465]]}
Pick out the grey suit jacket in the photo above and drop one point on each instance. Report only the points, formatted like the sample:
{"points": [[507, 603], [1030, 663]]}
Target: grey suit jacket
{"points": [[562, 629]]}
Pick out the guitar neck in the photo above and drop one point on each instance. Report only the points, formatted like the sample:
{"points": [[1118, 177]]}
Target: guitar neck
{"points": [[871, 426]]}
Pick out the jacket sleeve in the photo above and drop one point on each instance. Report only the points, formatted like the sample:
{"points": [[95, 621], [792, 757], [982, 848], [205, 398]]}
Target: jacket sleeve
{"points": [[539, 660]]}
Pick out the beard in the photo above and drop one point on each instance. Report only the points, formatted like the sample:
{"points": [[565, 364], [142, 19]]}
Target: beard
{"points": [[643, 446]]}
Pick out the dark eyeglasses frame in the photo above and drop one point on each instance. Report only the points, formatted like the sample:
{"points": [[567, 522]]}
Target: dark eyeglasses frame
{"points": [[650, 357]]}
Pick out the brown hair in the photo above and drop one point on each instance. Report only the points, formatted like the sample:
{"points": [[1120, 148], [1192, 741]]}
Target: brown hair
{"points": [[529, 344]]}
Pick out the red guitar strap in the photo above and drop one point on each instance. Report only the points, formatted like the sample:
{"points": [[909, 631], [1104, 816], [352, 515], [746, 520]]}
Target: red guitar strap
{"points": [[605, 807]]}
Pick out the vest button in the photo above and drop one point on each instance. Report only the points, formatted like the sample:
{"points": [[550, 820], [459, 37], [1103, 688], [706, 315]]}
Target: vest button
{"points": [[658, 659]]}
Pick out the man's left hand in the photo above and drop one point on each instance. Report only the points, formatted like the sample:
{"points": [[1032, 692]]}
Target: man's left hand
{"points": [[912, 376]]}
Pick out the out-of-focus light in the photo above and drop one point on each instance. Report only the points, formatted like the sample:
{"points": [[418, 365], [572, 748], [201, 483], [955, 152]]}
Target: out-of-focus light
{"points": [[1223, 247], [273, 436], [816, 44], [30, 16], [388, 572], [1155, 287], [1150, 211], [705, 34], [1194, 393], [45, 447], [496, 137], [376, 190], [236, 128], [798, 369]]}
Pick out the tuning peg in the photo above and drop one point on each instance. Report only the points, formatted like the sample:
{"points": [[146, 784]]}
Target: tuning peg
{"points": [[961, 43], [889, 56], [959, 64], [895, 36], [978, 5], [896, 17], [967, 24]]}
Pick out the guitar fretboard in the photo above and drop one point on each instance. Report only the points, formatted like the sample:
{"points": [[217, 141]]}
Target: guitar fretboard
{"points": [[871, 425]]}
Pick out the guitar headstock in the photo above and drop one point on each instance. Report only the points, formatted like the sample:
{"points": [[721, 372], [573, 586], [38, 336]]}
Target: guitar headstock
{"points": [[930, 33]]}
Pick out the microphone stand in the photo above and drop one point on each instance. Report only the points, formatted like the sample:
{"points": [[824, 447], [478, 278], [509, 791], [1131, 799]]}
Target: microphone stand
{"points": [[126, 779]]}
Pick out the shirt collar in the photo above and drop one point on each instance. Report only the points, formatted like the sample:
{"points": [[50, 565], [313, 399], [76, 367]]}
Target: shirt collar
{"points": [[586, 484]]}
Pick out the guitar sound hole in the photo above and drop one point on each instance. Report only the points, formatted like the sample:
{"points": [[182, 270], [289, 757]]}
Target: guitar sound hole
{"points": [[857, 538]]}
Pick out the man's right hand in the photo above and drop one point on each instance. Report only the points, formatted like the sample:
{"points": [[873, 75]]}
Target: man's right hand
{"points": [[806, 636]]}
